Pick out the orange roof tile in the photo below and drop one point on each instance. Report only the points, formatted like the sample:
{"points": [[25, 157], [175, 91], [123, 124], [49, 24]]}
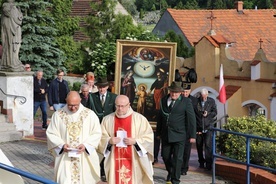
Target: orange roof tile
{"points": [[243, 29]]}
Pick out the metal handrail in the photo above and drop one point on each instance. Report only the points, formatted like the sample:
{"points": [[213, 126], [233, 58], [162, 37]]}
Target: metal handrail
{"points": [[15, 96], [26, 174], [247, 163]]}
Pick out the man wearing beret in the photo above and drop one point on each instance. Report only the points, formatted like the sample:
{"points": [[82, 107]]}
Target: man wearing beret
{"points": [[176, 112]]}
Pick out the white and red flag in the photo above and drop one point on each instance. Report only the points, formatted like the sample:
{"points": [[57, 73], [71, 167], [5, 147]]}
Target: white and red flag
{"points": [[222, 92]]}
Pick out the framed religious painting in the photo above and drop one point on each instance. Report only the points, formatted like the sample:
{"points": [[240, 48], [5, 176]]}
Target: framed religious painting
{"points": [[143, 72]]}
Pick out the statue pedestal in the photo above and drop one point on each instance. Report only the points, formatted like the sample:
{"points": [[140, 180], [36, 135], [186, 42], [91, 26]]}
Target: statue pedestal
{"points": [[16, 100]]}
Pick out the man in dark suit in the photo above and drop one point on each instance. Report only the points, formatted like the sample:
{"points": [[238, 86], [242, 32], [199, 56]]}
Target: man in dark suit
{"points": [[40, 90], [102, 103], [206, 115], [84, 94], [188, 145], [176, 111]]}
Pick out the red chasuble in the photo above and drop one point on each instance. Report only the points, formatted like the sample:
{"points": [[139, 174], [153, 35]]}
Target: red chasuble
{"points": [[123, 156]]}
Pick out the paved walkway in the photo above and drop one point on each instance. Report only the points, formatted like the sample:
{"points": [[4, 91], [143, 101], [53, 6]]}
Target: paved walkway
{"points": [[31, 155]]}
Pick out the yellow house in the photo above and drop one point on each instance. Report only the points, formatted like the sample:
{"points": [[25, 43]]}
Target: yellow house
{"points": [[243, 41]]}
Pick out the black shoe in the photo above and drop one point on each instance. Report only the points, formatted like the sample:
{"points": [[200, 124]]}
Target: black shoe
{"points": [[155, 161], [44, 127], [168, 177], [201, 166], [183, 173], [208, 167], [103, 178]]}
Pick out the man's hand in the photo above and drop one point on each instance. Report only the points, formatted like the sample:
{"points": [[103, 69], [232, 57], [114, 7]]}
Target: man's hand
{"points": [[81, 148], [51, 108], [192, 140], [65, 147], [129, 141], [205, 113], [114, 140]]}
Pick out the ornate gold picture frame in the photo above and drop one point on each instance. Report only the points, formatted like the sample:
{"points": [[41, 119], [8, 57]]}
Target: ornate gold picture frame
{"points": [[143, 72]]}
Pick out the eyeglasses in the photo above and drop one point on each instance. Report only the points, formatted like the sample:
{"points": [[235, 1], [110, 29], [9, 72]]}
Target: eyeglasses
{"points": [[71, 106], [121, 106], [27, 67]]}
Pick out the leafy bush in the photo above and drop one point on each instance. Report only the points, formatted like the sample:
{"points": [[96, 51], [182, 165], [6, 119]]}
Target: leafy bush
{"points": [[76, 86], [262, 152]]}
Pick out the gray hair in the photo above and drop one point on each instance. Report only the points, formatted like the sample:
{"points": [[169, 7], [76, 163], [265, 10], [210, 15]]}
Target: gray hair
{"points": [[204, 91], [84, 86]]}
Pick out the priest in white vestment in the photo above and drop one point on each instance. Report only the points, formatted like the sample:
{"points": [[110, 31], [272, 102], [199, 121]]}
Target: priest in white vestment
{"points": [[73, 136], [127, 144]]}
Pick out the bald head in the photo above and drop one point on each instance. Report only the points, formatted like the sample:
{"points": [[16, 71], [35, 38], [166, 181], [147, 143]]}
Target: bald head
{"points": [[73, 101], [122, 104]]}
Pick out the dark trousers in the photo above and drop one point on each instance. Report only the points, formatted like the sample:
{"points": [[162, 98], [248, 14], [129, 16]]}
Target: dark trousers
{"points": [[156, 147], [172, 154], [186, 155], [204, 139], [43, 107]]}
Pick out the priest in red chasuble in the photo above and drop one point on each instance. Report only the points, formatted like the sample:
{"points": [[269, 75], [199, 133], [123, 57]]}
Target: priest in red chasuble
{"points": [[127, 144]]}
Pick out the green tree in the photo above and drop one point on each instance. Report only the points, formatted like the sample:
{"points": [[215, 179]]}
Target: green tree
{"points": [[102, 57], [122, 26], [105, 27], [182, 49], [39, 47], [216, 4], [130, 6], [99, 22], [66, 26], [179, 5], [191, 5]]}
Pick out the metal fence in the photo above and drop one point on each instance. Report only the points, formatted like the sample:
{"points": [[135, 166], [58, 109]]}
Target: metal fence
{"points": [[26, 174], [247, 162]]}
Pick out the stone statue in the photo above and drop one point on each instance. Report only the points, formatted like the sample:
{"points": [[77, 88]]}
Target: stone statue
{"points": [[11, 21]]}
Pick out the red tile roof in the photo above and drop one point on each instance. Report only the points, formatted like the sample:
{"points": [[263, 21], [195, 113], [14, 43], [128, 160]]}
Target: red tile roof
{"points": [[244, 29], [230, 90]]}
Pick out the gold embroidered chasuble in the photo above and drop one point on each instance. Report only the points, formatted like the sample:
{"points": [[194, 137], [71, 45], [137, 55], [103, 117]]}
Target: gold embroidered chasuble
{"points": [[81, 127]]}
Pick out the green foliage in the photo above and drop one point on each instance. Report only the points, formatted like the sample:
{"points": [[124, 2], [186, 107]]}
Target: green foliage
{"points": [[129, 6], [38, 46], [76, 86], [102, 57], [66, 26], [141, 14], [191, 5], [122, 26], [262, 152], [100, 21], [182, 49]]}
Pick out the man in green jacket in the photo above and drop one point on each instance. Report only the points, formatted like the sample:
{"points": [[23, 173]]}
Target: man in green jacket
{"points": [[102, 103], [175, 110]]}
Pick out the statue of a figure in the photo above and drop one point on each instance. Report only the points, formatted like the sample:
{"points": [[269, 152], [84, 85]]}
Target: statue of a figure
{"points": [[11, 21]]}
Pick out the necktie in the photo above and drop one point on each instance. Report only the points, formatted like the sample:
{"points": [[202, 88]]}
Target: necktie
{"points": [[171, 104], [102, 100]]}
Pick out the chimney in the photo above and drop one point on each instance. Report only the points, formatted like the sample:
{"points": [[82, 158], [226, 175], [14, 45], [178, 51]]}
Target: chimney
{"points": [[239, 6]]}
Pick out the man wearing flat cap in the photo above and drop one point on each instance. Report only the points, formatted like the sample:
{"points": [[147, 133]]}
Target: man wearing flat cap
{"points": [[102, 103], [176, 112]]}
